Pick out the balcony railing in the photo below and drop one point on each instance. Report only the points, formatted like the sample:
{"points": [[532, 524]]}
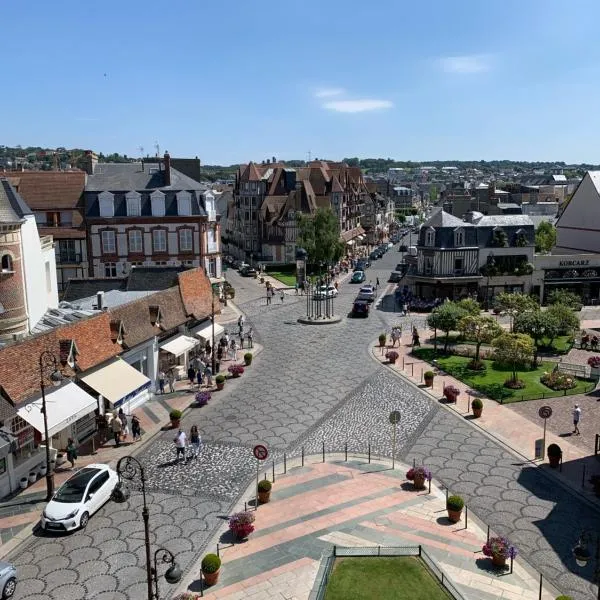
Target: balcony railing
{"points": [[68, 257]]}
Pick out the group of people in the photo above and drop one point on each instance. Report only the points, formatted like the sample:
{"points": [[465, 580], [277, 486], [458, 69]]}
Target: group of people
{"points": [[117, 425], [396, 335], [271, 294], [190, 443]]}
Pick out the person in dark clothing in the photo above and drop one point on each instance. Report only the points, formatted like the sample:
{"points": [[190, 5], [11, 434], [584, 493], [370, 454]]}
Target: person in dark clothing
{"points": [[191, 374]]}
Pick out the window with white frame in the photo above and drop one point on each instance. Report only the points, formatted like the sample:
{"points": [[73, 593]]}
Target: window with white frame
{"points": [[211, 240], [23, 431], [212, 267], [134, 204], [159, 240], [186, 242], [136, 241], [157, 200], [106, 201], [459, 237], [110, 269], [108, 242], [430, 237], [184, 203], [209, 203]]}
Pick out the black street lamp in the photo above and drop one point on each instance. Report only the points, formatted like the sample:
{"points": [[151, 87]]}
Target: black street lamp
{"points": [[48, 369], [130, 468], [583, 554]]}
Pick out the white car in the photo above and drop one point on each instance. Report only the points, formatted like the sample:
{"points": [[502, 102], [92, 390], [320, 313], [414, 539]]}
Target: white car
{"points": [[324, 291], [79, 497], [367, 292]]}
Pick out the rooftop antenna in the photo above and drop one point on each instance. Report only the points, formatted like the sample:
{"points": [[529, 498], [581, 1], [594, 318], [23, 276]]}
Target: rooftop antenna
{"points": [[157, 148], [309, 155], [141, 149]]}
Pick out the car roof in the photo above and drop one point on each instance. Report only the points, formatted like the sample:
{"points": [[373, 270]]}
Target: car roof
{"points": [[360, 301], [83, 477]]}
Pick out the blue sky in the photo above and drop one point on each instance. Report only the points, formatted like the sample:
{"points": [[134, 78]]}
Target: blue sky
{"points": [[234, 80]]}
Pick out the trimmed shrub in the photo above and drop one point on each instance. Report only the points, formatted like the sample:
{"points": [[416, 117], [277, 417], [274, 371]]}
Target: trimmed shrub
{"points": [[455, 503], [220, 379], [211, 563], [175, 414], [476, 403], [428, 374], [264, 486]]}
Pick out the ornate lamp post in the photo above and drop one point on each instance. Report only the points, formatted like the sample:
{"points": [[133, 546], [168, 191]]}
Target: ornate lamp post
{"points": [[583, 555], [48, 369], [130, 469]]}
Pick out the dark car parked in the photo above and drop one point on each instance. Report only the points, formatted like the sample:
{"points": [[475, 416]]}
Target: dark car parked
{"points": [[360, 308], [248, 272]]}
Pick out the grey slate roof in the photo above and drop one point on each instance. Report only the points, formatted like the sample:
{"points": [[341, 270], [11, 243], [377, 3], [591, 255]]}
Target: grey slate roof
{"points": [[504, 221], [63, 315], [111, 299], [12, 206], [153, 278], [83, 288], [443, 219], [126, 177]]}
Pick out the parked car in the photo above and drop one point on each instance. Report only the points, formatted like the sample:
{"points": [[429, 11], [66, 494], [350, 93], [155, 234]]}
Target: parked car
{"points": [[360, 308], [367, 292], [358, 277], [8, 579], [395, 277], [374, 255], [403, 248], [324, 291], [79, 497], [242, 266], [248, 271]]}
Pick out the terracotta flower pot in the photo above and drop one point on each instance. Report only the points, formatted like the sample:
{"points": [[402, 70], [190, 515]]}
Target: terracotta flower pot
{"points": [[454, 515], [498, 561], [264, 497], [220, 386], [554, 461], [419, 482], [429, 381], [477, 412], [211, 578], [235, 375], [175, 423]]}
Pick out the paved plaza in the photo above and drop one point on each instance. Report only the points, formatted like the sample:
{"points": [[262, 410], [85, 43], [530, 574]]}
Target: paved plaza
{"points": [[308, 386]]}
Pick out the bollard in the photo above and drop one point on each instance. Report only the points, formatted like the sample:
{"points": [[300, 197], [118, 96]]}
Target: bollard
{"points": [[403, 363], [541, 587], [369, 452], [302, 455], [245, 506], [468, 402], [488, 535], [414, 462], [466, 517], [265, 475], [446, 495], [323, 450], [218, 549], [421, 374], [273, 471], [346, 451], [284, 463], [511, 564], [429, 492], [94, 445], [583, 477]]}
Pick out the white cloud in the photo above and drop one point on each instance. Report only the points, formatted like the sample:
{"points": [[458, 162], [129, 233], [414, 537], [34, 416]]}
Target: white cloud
{"points": [[356, 106], [328, 92], [465, 65]]}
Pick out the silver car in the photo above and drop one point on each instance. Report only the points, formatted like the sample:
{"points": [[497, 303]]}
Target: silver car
{"points": [[8, 579]]}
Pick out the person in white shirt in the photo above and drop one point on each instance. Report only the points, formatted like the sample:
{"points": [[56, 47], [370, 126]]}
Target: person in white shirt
{"points": [[576, 417], [180, 444]]}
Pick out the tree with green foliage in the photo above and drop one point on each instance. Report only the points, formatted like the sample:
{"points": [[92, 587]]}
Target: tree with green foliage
{"points": [[573, 301], [545, 237], [319, 235], [538, 324], [514, 350], [414, 211], [446, 317], [480, 329], [568, 321], [470, 306], [513, 303]]}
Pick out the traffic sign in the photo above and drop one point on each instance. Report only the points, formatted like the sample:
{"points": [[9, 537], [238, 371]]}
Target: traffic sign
{"points": [[545, 412], [260, 452], [394, 417]]}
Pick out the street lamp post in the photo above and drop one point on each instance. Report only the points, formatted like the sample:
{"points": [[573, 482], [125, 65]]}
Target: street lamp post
{"points": [[130, 469], [48, 366], [583, 555], [212, 318]]}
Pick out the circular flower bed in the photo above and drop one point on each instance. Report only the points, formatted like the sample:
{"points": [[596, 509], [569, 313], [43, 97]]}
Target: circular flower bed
{"points": [[558, 381], [514, 384]]}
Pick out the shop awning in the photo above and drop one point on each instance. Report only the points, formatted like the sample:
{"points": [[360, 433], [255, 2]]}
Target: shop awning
{"points": [[179, 345], [217, 279], [204, 331], [64, 406], [117, 381], [350, 242]]}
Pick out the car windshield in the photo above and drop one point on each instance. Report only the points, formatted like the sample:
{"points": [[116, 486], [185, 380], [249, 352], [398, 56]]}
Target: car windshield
{"points": [[72, 491]]}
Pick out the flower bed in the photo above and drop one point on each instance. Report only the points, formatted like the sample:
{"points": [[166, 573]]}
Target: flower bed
{"points": [[556, 380]]}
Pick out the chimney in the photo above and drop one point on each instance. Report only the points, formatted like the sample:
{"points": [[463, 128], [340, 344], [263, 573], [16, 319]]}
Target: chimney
{"points": [[167, 161], [268, 161], [90, 161], [274, 160], [100, 300]]}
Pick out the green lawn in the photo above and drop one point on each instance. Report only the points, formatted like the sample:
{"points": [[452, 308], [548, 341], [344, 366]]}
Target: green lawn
{"points": [[491, 381], [560, 345], [389, 578], [285, 278]]}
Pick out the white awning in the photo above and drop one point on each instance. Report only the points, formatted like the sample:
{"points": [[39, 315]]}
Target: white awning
{"points": [[217, 279], [64, 406], [179, 344], [204, 331], [350, 242], [117, 381]]}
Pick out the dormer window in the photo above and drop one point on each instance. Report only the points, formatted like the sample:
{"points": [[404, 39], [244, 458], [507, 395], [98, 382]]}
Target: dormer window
{"points": [[117, 331], [459, 237], [157, 199], [430, 237], [69, 352], [156, 317], [184, 204], [106, 201], [134, 204]]}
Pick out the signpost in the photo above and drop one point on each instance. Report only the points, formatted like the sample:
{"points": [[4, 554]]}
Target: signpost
{"points": [[394, 419], [260, 453], [545, 413]]}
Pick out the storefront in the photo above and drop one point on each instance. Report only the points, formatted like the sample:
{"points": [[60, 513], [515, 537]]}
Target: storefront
{"points": [[70, 414], [175, 353], [205, 332], [118, 384]]}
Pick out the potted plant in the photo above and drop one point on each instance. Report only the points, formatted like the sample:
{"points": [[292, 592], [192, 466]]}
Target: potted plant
{"points": [[264, 491], [428, 376], [499, 549], [236, 370], [220, 381], [23, 482], [43, 469], [418, 475], [477, 407], [202, 398], [594, 362], [32, 476], [240, 524], [248, 358], [382, 339], [210, 566], [554, 455], [451, 393], [454, 506], [175, 416], [392, 356]]}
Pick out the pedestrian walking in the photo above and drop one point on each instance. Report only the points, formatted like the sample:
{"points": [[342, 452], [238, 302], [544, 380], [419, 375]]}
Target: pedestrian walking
{"points": [[227, 338], [171, 380], [71, 452], [576, 418], [234, 349], [195, 441], [269, 293], [208, 375], [296, 288], [191, 374], [136, 429], [219, 353], [161, 382], [282, 296], [124, 426], [250, 337], [199, 376], [115, 427], [242, 340], [415, 337], [180, 444], [377, 282]]}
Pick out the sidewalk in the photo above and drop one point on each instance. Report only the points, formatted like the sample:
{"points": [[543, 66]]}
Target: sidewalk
{"points": [[502, 422], [353, 504]]}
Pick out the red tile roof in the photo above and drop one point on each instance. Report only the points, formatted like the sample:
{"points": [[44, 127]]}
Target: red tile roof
{"points": [[48, 189], [196, 293]]}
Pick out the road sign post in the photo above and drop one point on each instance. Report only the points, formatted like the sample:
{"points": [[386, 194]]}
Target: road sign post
{"points": [[394, 419], [545, 413], [260, 453]]}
